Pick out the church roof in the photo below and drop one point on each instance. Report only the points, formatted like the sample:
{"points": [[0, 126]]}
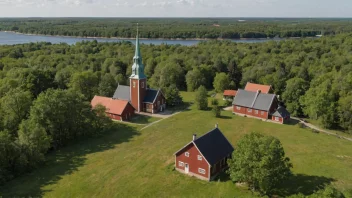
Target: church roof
{"points": [[150, 95], [137, 67], [122, 92]]}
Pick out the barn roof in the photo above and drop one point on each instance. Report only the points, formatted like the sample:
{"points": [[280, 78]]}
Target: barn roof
{"points": [[255, 87], [112, 106], [214, 146], [281, 112], [255, 100], [230, 92], [122, 92], [150, 95]]}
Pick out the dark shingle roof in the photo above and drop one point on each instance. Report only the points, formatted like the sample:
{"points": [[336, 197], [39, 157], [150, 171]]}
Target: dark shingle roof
{"points": [[263, 101], [150, 95], [281, 112], [255, 100], [214, 146], [122, 92]]}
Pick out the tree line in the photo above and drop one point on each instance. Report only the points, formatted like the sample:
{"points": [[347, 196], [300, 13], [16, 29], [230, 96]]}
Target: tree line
{"points": [[45, 89], [182, 28]]}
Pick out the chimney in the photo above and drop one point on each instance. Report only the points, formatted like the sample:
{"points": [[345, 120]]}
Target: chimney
{"points": [[194, 137], [216, 125]]}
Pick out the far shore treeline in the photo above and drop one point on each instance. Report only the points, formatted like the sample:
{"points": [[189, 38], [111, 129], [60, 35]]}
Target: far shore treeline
{"points": [[45, 89], [181, 28]]}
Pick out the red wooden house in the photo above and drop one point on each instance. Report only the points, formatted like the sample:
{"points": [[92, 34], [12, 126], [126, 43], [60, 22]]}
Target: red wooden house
{"points": [[229, 94], [259, 105], [115, 109], [204, 157], [281, 115]]}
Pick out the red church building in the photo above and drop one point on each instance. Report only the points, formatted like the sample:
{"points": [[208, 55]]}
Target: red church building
{"points": [[142, 98], [204, 157], [136, 97]]}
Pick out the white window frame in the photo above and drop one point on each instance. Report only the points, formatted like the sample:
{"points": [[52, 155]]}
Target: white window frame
{"points": [[249, 110], [277, 119], [181, 164], [134, 84], [201, 171], [187, 154], [238, 108], [256, 111], [200, 158]]}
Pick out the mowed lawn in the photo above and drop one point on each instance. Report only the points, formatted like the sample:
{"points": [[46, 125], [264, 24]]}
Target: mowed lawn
{"points": [[135, 163]]}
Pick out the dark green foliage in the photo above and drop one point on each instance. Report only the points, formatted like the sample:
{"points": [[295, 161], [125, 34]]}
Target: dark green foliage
{"points": [[172, 95], [216, 110], [295, 88], [107, 85], [14, 107], [221, 82], [201, 98], [260, 162], [327, 192], [64, 115], [195, 79], [178, 27]]}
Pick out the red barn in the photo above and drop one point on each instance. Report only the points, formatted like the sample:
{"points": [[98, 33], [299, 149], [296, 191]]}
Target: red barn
{"points": [[115, 109], [204, 157], [257, 104]]}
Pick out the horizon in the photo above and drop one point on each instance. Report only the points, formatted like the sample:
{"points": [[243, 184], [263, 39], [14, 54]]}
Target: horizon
{"points": [[176, 8]]}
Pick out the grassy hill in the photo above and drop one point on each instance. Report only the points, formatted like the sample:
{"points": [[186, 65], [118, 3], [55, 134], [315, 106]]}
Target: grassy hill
{"points": [[139, 163]]}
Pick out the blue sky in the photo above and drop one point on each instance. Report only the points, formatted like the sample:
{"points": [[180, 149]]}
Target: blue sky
{"points": [[175, 8]]}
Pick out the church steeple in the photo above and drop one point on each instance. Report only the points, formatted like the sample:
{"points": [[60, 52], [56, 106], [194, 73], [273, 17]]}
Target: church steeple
{"points": [[137, 67]]}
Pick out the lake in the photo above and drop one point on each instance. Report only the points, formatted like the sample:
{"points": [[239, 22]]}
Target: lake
{"points": [[10, 38]]}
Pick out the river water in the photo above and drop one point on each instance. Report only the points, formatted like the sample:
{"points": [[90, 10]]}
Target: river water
{"points": [[10, 38]]}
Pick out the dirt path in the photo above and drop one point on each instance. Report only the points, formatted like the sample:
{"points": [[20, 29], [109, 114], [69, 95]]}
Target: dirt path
{"points": [[160, 120], [319, 129], [164, 114]]}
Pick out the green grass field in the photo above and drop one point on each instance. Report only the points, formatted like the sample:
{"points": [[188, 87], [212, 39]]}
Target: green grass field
{"points": [[134, 163], [142, 119]]}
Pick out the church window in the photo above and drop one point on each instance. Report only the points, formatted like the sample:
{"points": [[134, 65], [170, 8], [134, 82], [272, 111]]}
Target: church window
{"points": [[142, 85], [134, 84]]}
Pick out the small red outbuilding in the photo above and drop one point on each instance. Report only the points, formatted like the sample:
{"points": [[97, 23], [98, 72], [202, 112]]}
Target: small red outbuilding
{"points": [[115, 109], [204, 157]]}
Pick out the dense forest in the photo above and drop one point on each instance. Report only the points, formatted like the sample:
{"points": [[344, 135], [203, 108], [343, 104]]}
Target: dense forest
{"points": [[216, 28], [45, 89]]}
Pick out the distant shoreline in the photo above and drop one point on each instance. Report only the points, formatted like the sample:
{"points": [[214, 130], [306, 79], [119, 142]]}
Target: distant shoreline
{"points": [[172, 39]]}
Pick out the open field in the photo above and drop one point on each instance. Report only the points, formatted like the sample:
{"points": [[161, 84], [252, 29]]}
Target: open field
{"points": [[133, 163], [143, 119]]}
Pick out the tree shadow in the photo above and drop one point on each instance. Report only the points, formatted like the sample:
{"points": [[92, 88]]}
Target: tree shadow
{"points": [[65, 161], [301, 183], [225, 117], [222, 177], [292, 122]]}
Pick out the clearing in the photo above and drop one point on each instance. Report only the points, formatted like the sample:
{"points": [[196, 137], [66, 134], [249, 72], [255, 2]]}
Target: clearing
{"points": [[135, 163]]}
